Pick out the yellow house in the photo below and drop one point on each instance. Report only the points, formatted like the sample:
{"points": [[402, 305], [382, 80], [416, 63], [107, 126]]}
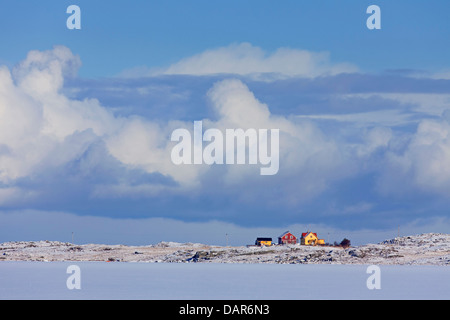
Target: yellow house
{"points": [[310, 239], [263, 242]]}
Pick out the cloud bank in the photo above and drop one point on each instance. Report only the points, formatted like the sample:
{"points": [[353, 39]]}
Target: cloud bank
{"points": [[354, 152], [44, 129], [61, 226]]}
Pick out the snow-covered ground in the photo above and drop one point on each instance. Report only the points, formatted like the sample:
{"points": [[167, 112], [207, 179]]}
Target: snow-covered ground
{"points": [[424, 249], [215, 281]]}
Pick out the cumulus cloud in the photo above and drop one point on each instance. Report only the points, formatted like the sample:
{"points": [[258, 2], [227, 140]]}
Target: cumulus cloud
{"points": [[246, 59], [51, 142], [430, 151], [303, 147], [423, 164], [305, 152], [37, 120], [43, 130]]}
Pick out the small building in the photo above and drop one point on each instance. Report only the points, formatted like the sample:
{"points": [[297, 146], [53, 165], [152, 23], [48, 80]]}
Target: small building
{"points": [[263, 242], [287, 238], [310, 239]]}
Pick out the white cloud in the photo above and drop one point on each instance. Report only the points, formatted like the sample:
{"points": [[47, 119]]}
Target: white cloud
{"points": [[39, 126], [429, 155], [422, 164], [43, 72], [42, 129], [246, 59], [300, 143], [377, 137], [9, 196], [408, 162], [142, 144]]}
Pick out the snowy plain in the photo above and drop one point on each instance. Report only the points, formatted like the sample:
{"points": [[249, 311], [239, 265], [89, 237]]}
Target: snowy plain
{"points": [[210, 281]]}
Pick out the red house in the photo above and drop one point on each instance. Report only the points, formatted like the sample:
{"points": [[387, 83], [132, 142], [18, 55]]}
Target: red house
{"points": [[287, 238]]}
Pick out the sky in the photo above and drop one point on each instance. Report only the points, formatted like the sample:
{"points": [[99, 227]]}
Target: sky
{"points": [[86, 117]]}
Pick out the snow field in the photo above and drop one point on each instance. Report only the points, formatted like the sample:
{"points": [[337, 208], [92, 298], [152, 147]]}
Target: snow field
{"points": [[205, 281]]}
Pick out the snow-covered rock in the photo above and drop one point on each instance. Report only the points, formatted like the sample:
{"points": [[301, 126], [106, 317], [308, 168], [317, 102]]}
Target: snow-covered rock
{"points": [[424, 249]]}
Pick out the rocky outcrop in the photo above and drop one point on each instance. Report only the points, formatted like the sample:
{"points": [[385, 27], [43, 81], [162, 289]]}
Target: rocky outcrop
{"points": [[425, 249]]}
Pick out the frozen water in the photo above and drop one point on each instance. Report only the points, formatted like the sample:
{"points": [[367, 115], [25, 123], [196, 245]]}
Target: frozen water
{"points": [[204, 281]]}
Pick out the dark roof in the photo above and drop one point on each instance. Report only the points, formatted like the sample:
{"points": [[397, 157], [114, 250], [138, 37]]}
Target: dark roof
{"points": [[263, 239]]}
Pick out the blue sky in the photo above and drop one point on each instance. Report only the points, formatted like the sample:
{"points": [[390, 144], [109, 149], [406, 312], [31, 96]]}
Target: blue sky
{"points": [[87, 114], [118, 35]]}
